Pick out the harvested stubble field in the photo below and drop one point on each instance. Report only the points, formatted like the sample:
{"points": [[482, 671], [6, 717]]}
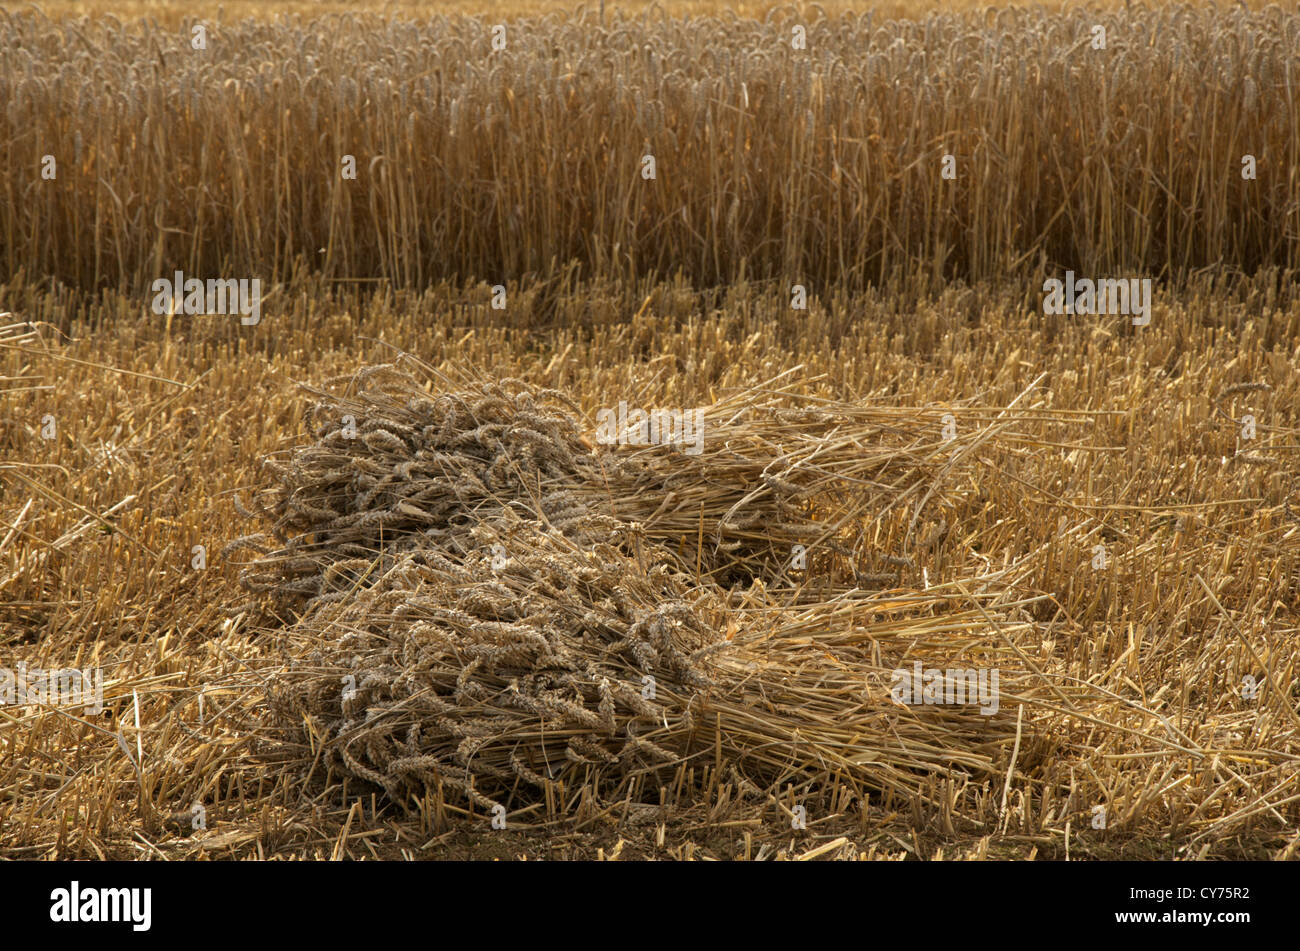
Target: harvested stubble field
{"points": [[429, 593]]}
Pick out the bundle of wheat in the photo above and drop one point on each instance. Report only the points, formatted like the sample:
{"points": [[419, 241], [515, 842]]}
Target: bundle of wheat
{"points": [[516, 662], [393, 460], [491, 604]]}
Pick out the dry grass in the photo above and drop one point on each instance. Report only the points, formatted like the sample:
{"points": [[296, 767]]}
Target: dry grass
{"points": [[1148, 663]]}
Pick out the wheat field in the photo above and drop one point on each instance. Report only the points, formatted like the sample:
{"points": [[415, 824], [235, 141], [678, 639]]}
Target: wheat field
{"points": [[838, 253]]}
